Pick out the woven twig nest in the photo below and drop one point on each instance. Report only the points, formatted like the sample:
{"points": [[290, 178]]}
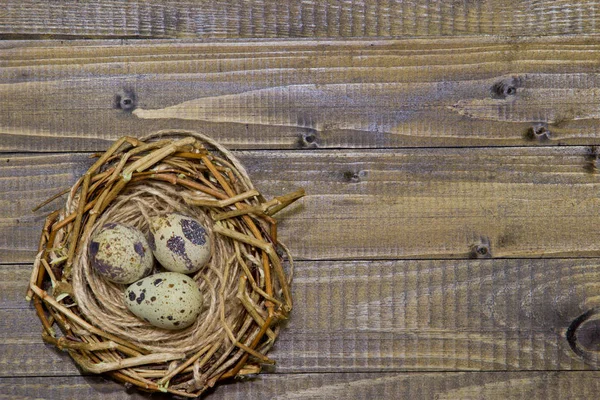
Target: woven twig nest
{"points": [[245, 284]]}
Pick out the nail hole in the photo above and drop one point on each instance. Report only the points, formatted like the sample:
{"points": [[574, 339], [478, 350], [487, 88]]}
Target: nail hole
{"points": [[126, 100], [126, 103], [539, 132], [308, 139], [481, 249]]}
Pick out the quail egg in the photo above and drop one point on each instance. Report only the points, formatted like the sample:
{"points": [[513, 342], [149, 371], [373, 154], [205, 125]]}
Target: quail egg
{"points": [[167, 300], [180, 243], [120, 253]]}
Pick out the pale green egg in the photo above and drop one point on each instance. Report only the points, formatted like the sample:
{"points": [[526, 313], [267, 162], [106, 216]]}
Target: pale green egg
{"points": [[167, 300]]}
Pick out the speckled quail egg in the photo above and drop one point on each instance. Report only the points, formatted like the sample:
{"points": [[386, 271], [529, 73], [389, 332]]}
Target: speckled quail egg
{"points": [[120, 253], [168, 300], [179, 243]]}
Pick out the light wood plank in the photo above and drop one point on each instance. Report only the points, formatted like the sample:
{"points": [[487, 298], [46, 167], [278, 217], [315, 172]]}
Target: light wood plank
{"points": [[367, 386], [480, 91], [288, 18], [376, 316], [421, 203]]}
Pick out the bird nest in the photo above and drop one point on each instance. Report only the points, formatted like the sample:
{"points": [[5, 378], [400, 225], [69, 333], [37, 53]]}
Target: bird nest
{"points": [[246, 284]]}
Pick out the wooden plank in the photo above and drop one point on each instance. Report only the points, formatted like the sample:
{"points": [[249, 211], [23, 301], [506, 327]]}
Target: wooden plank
{"points": [[356, 386], [288, 18], [420, 203], [378, 316], [25, 185], [480, 91]]}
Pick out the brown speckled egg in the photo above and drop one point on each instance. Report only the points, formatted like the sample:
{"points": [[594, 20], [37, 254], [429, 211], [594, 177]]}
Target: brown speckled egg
{"points": [[168, 300], [180, 243], [120, 253]]}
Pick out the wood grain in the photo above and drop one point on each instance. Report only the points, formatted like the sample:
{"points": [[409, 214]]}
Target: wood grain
{"points": [[377, 316], [356, 386], [418, 272], [420, 203], [436, 92], [288, 18]]}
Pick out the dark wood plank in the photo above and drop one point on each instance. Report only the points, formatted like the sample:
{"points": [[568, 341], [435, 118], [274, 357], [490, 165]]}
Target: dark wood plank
{"points": [[377, 316], [367, 386], [479, 91], [288, 18], [420, 203]]}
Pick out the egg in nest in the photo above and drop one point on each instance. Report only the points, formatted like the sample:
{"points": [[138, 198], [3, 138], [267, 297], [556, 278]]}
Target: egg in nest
{"points": [[120, 253], [180, 243], [167, 300]]}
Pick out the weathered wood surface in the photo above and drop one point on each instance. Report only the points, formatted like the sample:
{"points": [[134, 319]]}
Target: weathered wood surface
{"points": [[387, 204], [467, 91], [383, 130], [356, 386], [289, 18], [360, 316]]}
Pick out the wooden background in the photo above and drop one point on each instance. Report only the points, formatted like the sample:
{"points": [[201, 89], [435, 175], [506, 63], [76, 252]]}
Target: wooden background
{"points": [[449, 245]]}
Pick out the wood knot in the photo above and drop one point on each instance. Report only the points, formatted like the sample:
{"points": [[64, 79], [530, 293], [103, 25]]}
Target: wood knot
{"points": [[353, 176], [588, 334], [505, 88], [583, 335], [592, 159]]}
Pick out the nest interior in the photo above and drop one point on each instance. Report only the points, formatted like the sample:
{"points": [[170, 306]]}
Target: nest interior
{"points": [[246, 284]]}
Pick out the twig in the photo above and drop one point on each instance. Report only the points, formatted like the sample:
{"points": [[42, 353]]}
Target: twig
{"points": [[102, 367], [51, 199]]}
